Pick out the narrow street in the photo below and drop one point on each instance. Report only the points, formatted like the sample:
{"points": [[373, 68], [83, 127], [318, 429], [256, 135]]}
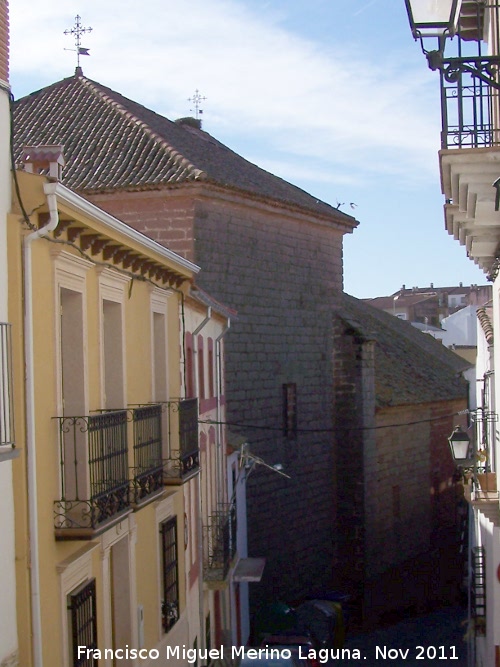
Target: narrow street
{"points": [[426, 640]]}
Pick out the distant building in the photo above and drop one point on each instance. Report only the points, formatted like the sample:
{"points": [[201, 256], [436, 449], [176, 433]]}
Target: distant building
{"points": [[429, 305], [398, 393]]}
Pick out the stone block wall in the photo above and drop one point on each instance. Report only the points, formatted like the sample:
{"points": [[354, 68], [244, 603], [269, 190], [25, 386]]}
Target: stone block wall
{"points": [[283, 275], [396, 501], [412, 555], [398, 511], [282, 272], [354, 397]]}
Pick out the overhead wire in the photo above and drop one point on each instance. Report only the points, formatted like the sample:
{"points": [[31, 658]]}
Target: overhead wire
{"points": [[336, 429]]}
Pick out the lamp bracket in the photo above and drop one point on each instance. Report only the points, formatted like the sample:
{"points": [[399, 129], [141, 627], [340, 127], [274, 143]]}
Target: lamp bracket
{"points": [[483, 415], [484, 68]]}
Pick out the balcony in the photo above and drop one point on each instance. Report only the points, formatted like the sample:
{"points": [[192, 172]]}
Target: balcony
{"points": [[93, 464], [471, 217], [219, 545], [183, 459], [470, 138], [7, 439]]}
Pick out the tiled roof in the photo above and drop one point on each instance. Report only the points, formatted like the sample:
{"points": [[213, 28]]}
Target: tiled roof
{"points": [[390, 302], [111, 142], [410, 367]]}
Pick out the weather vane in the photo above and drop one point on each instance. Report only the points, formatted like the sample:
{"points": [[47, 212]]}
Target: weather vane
{"points": [[78, 30], [197, 99]]}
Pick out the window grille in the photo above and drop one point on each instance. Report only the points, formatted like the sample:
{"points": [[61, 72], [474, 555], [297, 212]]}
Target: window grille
{"points": [[82, 608], [170, 602], [148, 472]]}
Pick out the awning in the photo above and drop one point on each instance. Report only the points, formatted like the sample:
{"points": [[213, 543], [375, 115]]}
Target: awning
{"points": [[249, 569]]}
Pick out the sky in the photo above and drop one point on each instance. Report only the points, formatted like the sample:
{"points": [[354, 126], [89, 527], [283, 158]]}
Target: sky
{"points": [[331, 95]]}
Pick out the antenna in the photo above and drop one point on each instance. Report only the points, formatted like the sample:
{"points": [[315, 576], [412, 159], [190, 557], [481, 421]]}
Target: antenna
{"points": [[78, 30], [196, 100]]}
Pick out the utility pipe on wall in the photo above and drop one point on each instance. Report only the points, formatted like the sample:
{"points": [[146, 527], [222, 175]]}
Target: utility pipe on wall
{"points": [[36, 619], [218, 381], [201, 610]]}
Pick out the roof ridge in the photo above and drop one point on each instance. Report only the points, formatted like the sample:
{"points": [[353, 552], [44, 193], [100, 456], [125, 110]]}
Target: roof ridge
{"points": [[178, 158]]}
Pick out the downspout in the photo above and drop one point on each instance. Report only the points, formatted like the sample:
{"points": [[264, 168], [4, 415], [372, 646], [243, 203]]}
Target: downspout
{"points": [[36, 618], [201, 326], [219, 457], [218, 381]]}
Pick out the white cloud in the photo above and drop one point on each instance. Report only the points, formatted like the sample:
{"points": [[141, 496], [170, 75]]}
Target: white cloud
{"points": [[291, 94]]}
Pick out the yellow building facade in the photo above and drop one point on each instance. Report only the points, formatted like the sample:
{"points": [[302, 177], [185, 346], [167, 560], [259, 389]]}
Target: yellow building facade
{"points": [[108, 491]]}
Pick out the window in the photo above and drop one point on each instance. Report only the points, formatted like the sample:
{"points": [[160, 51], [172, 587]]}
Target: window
{"points": [[189, 370], [113, 354], [201, 369], [159, 344], [208, 637], [170, 585], [290, 410], [83, 623], [211, 368], [112, 286], [160, 357], [195, 651]]}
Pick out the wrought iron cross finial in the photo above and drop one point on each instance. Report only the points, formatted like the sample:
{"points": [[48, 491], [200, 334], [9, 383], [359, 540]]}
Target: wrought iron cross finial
{"points": [[196, 100], [78, 30]]}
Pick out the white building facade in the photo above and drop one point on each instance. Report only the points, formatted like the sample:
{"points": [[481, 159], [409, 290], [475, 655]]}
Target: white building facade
{"points": [[8, 624]]}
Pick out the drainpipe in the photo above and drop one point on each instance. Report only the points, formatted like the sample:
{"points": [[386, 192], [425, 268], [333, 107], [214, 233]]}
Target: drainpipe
{"points": [[219, 454], [218, 381], [201, 326], [36, 618]]}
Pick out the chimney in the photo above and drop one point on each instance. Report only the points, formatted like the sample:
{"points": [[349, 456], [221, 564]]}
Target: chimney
{"points": [[190, 122], [46, 160]]}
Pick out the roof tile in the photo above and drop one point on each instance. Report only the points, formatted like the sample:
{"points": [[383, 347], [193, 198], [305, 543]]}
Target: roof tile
{"points": [[411, 367], [111, 142]]}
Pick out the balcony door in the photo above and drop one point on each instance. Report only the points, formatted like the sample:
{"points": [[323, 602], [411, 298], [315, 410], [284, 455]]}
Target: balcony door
{"points": [[113, 355], [120, 597], [74, 482], [72, 357]]}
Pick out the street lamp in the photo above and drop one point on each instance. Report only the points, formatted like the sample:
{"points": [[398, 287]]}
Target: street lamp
{"points": [[433, 18], [440, 19], [460, 446]]}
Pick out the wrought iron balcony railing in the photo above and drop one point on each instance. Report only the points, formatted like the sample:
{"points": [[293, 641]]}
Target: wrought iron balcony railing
{"points": [[93, 461], [469, 81], [148, 460], [478, 590], [6, 390], [183, 458], [219, 543]]}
